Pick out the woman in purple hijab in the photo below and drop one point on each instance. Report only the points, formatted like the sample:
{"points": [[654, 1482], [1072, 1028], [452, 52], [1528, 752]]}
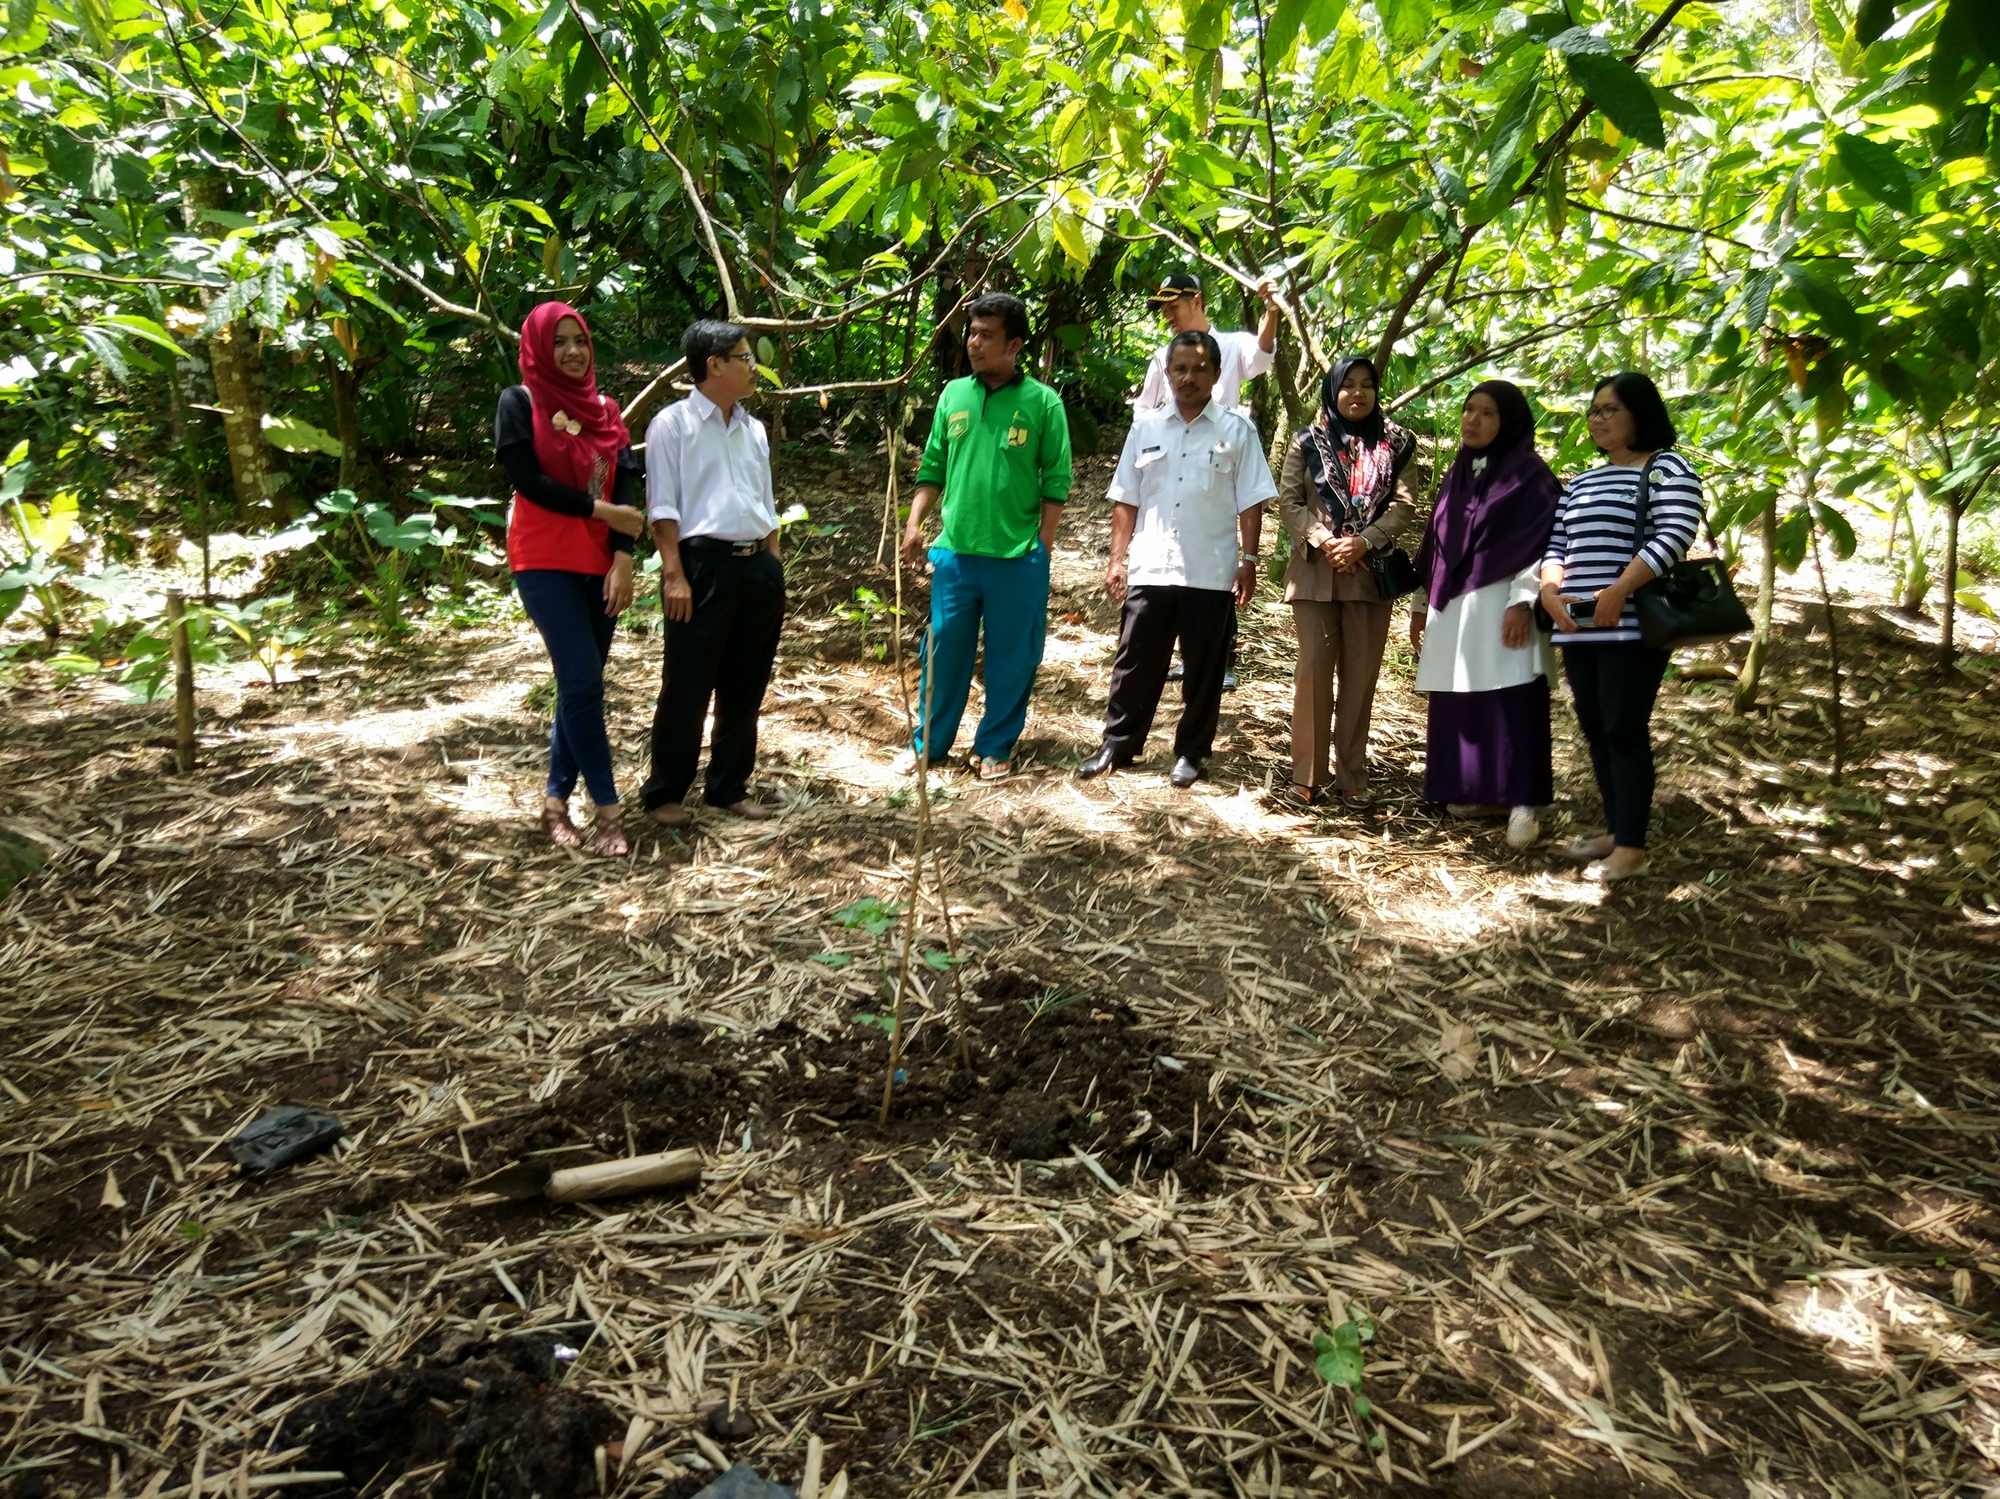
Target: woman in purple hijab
{"points": [[1485, 665]]}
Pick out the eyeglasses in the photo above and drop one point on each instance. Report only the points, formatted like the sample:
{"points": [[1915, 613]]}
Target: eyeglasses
{"points": [[1597, 411], [737, 358]]}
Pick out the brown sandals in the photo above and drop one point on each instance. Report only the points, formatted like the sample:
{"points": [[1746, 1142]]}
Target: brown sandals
{"points": [[562, 832]]}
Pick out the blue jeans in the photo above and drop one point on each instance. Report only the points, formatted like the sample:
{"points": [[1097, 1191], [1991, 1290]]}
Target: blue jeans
{"points": [[568, 608], [1011, 594]]}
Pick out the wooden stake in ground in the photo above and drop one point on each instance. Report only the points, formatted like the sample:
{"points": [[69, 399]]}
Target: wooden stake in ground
{"points": [[177, 638], [890, 517]]}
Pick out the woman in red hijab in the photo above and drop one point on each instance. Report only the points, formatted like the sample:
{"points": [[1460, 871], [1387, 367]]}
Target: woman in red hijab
{"points": [[569, 543]]}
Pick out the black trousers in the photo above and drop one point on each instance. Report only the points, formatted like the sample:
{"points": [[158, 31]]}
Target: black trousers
{"points": [[1203, 620], [1614, 685], [724, 651]]}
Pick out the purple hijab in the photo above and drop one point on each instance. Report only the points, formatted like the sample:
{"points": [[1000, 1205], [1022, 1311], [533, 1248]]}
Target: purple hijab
{"points": [[1490, 524]]}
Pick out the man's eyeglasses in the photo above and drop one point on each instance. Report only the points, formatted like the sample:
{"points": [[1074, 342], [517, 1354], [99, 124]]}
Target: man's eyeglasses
{"points": [[737, 358]]}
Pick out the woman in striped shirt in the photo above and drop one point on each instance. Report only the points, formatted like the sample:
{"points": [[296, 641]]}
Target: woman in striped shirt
{"points": [[1594, 563]]}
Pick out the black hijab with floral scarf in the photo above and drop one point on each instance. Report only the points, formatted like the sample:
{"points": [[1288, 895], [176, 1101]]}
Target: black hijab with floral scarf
{"points": [[1354, 465]]}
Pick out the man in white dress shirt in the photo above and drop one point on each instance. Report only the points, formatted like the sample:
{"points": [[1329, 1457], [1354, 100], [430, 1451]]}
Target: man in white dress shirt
{"points": [[722, 586], [1244, 356], [1189, 500]]}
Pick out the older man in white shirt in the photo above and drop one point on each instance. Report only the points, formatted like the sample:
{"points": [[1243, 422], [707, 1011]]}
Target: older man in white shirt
{"points": [[722, 585], [1189, 500]]}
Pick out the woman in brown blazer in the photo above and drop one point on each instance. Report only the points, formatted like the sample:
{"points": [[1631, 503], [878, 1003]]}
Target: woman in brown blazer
{"points": [[1342, 494]]}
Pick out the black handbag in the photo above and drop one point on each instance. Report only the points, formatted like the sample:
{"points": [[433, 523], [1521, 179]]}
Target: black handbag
{"points": [[1694, 602], [1394, 573]]}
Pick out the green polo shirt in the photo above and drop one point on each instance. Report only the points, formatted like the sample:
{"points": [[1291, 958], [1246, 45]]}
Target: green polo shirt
{"points": [[998, 456]]}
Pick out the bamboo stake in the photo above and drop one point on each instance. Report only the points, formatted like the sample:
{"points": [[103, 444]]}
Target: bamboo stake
{"points": [[923, 760], [183, 654]]}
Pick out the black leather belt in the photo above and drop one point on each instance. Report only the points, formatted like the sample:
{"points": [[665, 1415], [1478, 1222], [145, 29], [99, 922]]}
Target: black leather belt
{"points": [[717, 544]]}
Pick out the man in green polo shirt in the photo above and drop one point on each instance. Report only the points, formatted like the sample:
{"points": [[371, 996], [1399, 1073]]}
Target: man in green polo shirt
{"points": [[999, 456]]}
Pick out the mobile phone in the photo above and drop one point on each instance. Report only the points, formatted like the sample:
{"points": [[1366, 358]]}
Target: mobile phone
{"points": [[1581, 607]]}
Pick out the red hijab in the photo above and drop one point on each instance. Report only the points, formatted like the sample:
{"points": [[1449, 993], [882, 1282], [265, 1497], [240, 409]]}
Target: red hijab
{"points": [[591, 430]]}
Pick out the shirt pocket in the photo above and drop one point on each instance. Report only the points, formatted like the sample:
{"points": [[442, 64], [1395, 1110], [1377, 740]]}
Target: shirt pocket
{"points": [[1223, 458]]}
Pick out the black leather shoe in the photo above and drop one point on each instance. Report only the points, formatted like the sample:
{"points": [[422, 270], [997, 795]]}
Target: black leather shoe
{"points": [[1185, 773], [1105, 759]]}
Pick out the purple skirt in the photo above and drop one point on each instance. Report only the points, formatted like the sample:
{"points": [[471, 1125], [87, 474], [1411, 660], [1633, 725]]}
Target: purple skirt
{"points": [[1491, 747]]}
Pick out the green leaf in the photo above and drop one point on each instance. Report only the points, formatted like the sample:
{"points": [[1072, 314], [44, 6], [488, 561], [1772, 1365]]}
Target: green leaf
{"points": [[832, 959], [1623, 95], [1287, 20], [1979, 19], [51, 532], [1828, 302], [1341, 1365], [1872, 18], [1877, 170], [144, 329], [293, 434], [1837, 530], [1406, 21], [1512, 125], [1207, 25], [1793, 536], [1069, 235], [1205, 164], [1322, 17], [1363, 1407]]}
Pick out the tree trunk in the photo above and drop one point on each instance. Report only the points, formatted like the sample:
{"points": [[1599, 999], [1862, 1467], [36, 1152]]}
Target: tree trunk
{"points": [[253, 462], [233, 361], [1752, 675], [347, 419]]}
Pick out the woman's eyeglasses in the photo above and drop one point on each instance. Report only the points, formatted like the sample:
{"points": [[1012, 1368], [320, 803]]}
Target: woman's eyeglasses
{"points": [[1598, 411]]}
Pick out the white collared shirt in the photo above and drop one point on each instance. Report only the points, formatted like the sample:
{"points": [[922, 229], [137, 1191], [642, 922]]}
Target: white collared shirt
{"points": [[711, 477], [1243, 358], [1189, 482]]}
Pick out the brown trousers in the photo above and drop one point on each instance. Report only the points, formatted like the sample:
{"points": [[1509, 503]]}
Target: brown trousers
{"points": [[1345, 639]]}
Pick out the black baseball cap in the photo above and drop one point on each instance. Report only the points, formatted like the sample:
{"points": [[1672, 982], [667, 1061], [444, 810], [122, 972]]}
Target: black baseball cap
{"points": [[1173, 288]]}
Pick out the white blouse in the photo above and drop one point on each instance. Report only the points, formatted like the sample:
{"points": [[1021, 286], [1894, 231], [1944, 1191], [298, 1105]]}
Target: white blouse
{"points": [[1462, 649]]}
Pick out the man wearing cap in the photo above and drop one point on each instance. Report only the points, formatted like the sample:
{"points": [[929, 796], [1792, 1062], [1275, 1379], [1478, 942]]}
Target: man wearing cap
{"points": [[1245, 356]]}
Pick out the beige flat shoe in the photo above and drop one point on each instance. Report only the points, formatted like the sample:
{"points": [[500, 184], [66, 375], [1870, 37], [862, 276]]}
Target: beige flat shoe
{"points": [[749, 810], [671, 815], [1601, 872]]}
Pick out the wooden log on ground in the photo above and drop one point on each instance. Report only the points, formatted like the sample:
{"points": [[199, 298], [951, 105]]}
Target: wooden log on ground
{"points": [[669, 1168]]}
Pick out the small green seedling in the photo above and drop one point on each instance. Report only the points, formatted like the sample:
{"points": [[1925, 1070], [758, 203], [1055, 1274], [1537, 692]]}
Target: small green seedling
{"points": [[1051, 999], [867, 608], [877, 918], [1339, 1360]]}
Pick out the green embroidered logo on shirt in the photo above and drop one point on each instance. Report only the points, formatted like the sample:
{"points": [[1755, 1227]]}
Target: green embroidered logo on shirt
{"points": [[959, 425]]}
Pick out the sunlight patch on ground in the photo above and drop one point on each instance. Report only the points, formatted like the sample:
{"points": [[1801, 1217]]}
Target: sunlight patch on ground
{"points": [[398, 728]]}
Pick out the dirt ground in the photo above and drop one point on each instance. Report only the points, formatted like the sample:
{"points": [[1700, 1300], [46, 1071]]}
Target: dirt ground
{"points": [[1681, 1187]]}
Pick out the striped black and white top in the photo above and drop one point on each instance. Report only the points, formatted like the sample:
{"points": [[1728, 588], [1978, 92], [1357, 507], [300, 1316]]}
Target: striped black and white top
{"points": [[1593, 534]]}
